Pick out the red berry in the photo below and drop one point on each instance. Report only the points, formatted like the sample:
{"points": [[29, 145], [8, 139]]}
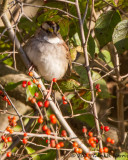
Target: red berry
{"points": [[9, 139], [39, 85], [105, 150], [80, 150], [106, 128], [5, 140], [63, 98], [29, 98], [30, 74], [24, 82], [93, 145], [8, 128], [63, 133], [84, 130], [25, 134], [75, 144], [101, 127], [54, 121], [5, 98], [29, 83], [44, 128], [64, 102], [52, 116], [90, 134], [40, 120], [11, 131], [24, 85], [54, 79], [35, 81], [33, 100], [99, 90], [61, 144], [36, 94], [52, 143], [24, 141], [101, 150], [90, 141], [46, 104], [8, 154], [3, 137], [46, 140], [1, 92], [58, 146], [108, 139], [112, 141], [40, 104], [48, 131], [97, 86], [76, 150]]}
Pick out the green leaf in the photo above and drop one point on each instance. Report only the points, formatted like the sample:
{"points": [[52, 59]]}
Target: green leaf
{"points": [[8, 61], [122, 156], [31, 89], [120, 36], [105, 25], [34, 156], [67, 85], [106, 57], [50, 155], [12, 85]]}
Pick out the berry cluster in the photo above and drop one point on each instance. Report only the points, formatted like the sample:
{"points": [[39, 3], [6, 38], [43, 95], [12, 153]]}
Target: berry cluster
{"points": [[4, 98], [98, 87]]}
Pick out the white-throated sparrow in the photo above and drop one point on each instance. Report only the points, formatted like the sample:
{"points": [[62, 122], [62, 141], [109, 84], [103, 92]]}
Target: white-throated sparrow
{"points": [[48, 51]]}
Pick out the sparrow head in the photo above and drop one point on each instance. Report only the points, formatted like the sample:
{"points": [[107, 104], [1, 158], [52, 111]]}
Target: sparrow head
{"points": [[51, 27]]}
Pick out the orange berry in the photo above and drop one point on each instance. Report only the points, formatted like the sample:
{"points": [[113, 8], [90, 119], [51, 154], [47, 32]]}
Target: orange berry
{"points": [[61, 144], [25, 134], [40, 120], [80, 150], [8, 154], [63, 98], [39, 85], [35, 81], [8, 128], [44, 128], [54, 121], [58, 146], [5, 140], [93, 145], [52, 116], [112, 141], [11, 131], [108, 139], [3, 137], [30, 74], [90, 134], [29, 98], [52, 143], [75, 144], [76, 150], [101, 150], [48, 131], [105, 150], [33, 100]]}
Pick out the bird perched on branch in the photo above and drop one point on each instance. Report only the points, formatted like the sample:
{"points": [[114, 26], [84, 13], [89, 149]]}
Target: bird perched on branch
{"points": [[48, 51]]}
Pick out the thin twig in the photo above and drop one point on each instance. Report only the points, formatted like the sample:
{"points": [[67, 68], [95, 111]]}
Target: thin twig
{"points": [[20, 116]]}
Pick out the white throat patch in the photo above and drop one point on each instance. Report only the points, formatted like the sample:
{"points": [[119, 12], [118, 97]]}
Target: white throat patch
{"points": [[52, 40]]}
